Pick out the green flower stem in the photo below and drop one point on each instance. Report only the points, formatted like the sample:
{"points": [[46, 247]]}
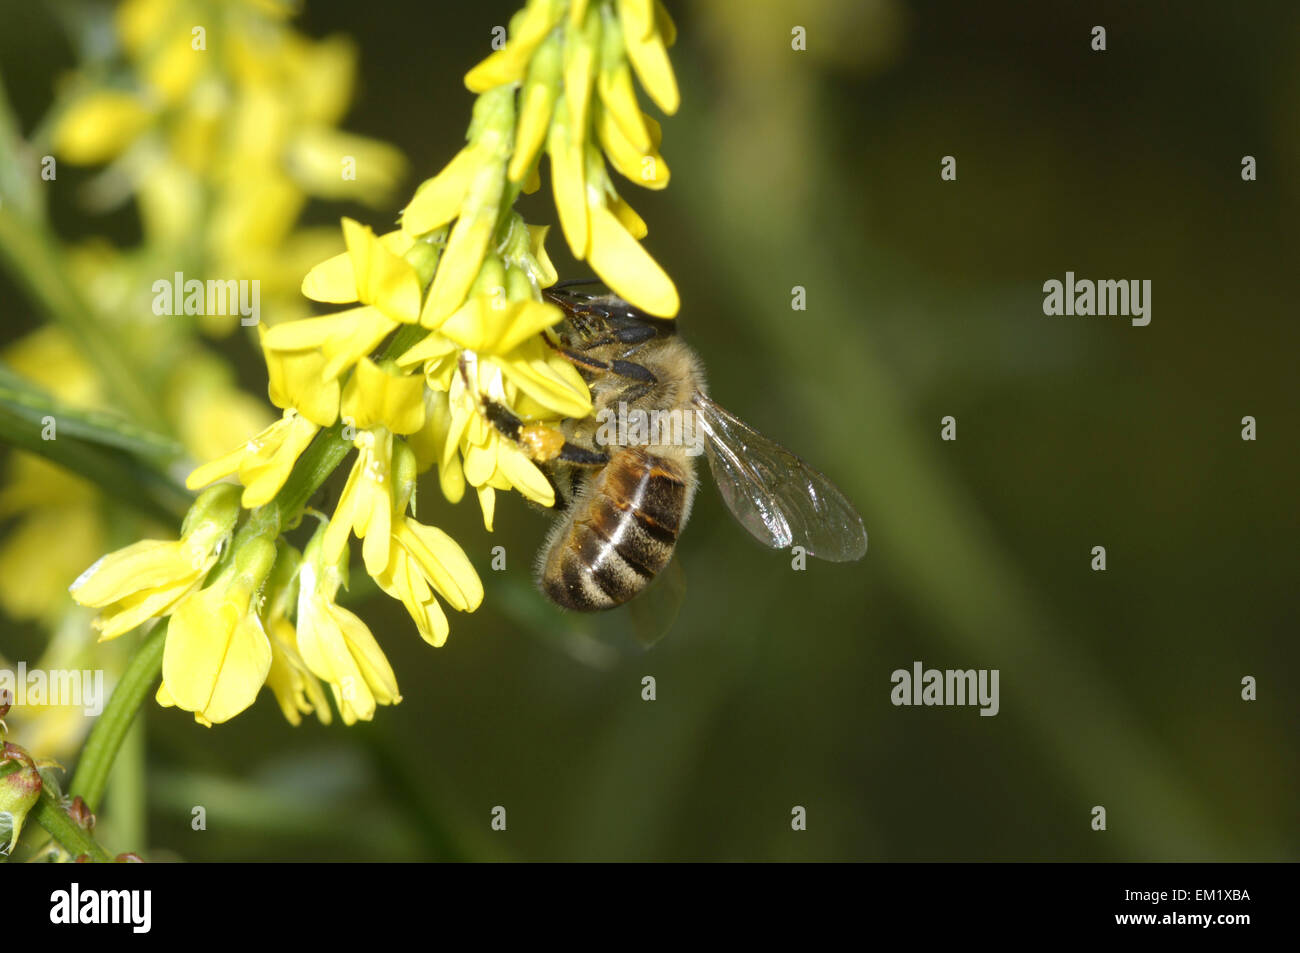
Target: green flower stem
{"points": [[312, 469], [102, 428], [60, 825], [128, 798], [120, 463], [96, 761]]}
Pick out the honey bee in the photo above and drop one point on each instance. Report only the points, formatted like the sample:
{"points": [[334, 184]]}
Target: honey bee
{"points": [[625, 478]]}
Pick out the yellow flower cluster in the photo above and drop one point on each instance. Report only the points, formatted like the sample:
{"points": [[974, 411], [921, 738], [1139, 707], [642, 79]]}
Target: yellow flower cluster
{"points": [[572, 63], [224, 129], [446, 319], [220, 120]]}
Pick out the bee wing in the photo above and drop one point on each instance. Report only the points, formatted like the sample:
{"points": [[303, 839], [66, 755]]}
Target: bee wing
{"points": [[781, 500], [654, 611]]}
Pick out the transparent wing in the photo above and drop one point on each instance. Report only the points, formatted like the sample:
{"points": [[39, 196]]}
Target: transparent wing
{"points": [[781, 500]]}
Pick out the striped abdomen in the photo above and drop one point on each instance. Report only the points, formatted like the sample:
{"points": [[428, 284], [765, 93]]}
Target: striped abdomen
{"points": [[620, 533]]}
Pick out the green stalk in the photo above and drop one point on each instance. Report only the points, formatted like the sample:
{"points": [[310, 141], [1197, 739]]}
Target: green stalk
{"points": [[97, 755], [128, 797], [60, 825], [85, 444]]}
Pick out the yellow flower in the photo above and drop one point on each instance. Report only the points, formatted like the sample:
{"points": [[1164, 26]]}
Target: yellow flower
{"points": [[99, 126], [366, 504], [490, 460], [343, 339], [615, 253], [501, 327], [429, 442], [645, 167], [529, 366], [297, 380], [264, 463], [147, 579], [536, 100], [315, 155], [564, 145], [438, 200], [297, 691], [379, 396], [491, 349], [372, 271], [217, 655], [335, 644], [528, 28], [647, 31], [596, 51], [426, 560], [479, 208]]}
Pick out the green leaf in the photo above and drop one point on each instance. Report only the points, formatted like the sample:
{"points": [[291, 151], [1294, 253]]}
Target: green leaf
{"points": [[126, 461]]}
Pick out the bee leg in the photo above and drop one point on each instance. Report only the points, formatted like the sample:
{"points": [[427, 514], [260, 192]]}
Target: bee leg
{"points": [[628, 369], [580, 360], [633, 372], [572, 453], [539, 447]]}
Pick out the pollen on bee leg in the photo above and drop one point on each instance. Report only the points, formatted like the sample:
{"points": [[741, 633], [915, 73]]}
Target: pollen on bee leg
{"points": [[541, 442]]}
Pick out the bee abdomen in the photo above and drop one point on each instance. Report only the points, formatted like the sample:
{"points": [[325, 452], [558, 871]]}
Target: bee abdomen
{"points": [[622, 536]]}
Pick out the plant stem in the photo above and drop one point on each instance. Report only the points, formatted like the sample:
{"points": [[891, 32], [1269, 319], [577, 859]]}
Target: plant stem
{"points": [[80, 448], [60, 825], [312, 469], [96, 761], [128, 797]]}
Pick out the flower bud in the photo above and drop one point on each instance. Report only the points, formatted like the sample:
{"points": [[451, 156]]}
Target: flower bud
{"points": [[217, 505], [81, 814], [254, 558], [19, 791], [423, 257]]}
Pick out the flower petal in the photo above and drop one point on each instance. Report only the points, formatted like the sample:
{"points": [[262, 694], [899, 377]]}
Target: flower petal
{"points": [[142, 565], [627, 268], [649, 57], [383, 279], [568, 181], [217, 656], [443, 563], [437, 201], [333, 281]]}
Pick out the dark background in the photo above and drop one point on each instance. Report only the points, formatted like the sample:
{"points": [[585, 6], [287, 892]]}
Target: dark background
{"points": [[821, 169]]}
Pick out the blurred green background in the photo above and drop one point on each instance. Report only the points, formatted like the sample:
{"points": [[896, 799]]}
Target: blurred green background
{"points": [[821, 169]]}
